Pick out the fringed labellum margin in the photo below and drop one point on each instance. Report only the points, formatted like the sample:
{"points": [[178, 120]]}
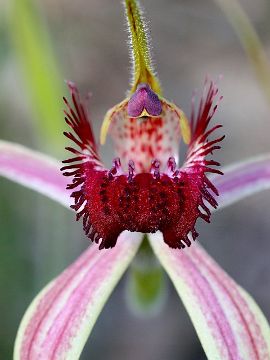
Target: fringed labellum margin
{"points": [[165, 198]]}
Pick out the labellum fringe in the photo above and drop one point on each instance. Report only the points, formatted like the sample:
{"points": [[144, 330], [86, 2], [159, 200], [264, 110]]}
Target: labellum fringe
{"points": [[171, 200]]}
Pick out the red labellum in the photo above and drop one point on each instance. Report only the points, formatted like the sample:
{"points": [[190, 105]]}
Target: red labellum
{"points": [[110, 201]]}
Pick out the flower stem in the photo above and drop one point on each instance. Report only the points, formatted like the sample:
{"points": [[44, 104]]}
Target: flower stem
{"points": [[146, 286]]}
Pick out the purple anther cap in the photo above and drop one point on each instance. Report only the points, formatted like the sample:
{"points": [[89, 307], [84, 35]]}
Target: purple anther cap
{"points": [[144, 98]]}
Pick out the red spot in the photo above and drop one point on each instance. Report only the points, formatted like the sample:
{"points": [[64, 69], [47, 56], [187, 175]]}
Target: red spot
{"points": [[151, 152]]}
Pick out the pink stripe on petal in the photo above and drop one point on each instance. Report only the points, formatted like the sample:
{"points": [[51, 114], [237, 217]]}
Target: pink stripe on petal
{"points": [[238, 300], [229, 324], [33, 170], [58, 322], [242, 179], [207, 300]]}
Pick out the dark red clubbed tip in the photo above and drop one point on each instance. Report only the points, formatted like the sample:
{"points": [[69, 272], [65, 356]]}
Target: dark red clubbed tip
{"points": [[110, 201]]}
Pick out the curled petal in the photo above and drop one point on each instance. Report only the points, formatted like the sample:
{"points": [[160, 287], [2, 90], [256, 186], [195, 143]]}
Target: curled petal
{"points": [[228, 322], [33, 170], [60, 319]]}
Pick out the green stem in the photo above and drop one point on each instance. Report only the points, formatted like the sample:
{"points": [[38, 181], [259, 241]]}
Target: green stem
{"points": [[146, 287]]}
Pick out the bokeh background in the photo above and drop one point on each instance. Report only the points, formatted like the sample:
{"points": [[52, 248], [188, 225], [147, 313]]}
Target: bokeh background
{"points": [[85, 41]]}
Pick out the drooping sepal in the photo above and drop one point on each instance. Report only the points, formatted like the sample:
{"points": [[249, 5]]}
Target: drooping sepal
{"points": [[59, 321], [229, 323]]}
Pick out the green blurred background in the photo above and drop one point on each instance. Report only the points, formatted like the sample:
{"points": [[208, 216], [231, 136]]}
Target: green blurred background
{"points": [[44, 42]]}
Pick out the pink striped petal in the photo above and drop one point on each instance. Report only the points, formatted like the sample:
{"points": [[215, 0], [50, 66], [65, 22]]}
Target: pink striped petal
{"points": [[243, 179], [59, 320], [33, 170], [228, 322]]}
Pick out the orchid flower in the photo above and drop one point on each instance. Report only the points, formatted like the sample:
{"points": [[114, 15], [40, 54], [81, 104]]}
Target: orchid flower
{"points": [[144, 192]]}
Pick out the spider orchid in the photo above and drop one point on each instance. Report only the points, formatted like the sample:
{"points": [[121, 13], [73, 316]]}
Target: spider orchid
{"points": [[144, 192]]}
